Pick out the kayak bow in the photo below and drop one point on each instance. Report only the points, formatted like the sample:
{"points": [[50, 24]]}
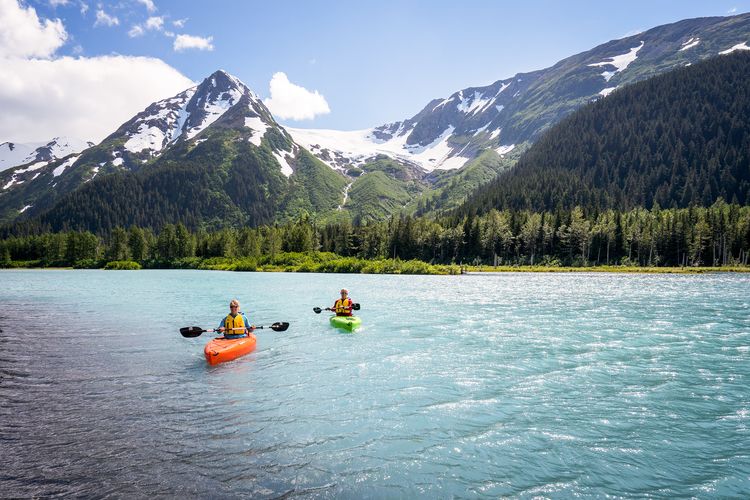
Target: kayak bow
{"points": [[220, 349], [348, 323]]}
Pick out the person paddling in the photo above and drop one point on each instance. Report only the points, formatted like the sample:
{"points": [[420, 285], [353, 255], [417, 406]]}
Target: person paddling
{"points": [[235, 325], [344, 305]]}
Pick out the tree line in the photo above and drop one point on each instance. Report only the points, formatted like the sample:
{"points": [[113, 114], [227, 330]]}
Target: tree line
{"points": [[718, 235]]}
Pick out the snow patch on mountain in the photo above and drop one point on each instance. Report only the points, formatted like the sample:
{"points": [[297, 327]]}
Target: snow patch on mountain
{"points": [[739, 46], [359, 146], [12, 182], [454, 162], [503, 87], [94, 171], [690, 44], [620, 62], [13, 154], [14, 178], [605, 92], [215, 109], [67, 163], [471, 104], [286, 169], [258, 127], [502, 150], [482, 129], [147, 137]]}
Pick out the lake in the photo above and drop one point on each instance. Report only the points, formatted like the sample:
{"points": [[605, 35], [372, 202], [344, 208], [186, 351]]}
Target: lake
{"points": [[528, 385]]}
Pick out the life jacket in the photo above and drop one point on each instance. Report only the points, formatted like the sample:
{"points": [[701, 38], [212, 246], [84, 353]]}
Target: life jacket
{"points": [[343, 307], [236, 322]]}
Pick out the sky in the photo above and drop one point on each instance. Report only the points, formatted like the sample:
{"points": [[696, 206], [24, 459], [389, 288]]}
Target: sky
{"points": [[80, 68]]}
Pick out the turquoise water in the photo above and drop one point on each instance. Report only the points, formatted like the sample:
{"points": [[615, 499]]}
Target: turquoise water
{"points": [[528, 385]]}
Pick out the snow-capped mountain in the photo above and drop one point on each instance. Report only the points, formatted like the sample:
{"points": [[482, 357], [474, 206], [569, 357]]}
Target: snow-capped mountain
{"points": [[220, 132], [14, 154], [170, 129], [221, 100], [449, 132]]}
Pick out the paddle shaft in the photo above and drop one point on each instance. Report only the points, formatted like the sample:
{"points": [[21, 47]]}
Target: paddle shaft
{"points": [[195, 331], [355, 307]]}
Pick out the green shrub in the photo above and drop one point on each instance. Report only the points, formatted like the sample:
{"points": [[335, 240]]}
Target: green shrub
{"points": [[122, 265], [87, 264]]}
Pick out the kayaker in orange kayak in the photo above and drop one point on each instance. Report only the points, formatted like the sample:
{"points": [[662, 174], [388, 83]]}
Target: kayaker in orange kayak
{"points": [[235, 325], [342, 306]]}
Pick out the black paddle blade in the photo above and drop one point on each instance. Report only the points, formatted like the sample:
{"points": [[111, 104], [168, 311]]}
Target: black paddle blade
{"points": [[317, 310], [355, 307], [279, 327], [191, 331]]}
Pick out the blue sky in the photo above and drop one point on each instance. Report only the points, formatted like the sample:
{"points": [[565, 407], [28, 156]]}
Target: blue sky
{"points": [[372, 61]]}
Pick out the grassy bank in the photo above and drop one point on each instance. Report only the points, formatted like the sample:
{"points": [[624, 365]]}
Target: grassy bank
{"points": [[311, 262]]}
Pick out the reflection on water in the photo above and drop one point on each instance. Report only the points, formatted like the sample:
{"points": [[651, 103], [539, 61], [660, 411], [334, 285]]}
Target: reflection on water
{"points": [[513, 384]]}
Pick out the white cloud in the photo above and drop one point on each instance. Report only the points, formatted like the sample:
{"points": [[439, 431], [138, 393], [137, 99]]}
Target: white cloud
{"points": [[84, 8], [185, 42], [43, 96], [179, 23], [55, 3], [136, 31], [104, 19], [149, 5], [293, 101], [87, 98], [24, 35], [732, 10], [154, 23]]}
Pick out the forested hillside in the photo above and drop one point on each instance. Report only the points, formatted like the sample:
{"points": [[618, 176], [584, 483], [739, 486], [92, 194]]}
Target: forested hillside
{"points": [[676, 140], [221, 182]]}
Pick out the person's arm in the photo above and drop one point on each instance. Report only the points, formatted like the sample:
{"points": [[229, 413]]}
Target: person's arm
{"points": [[248, 327], [221, 326]]}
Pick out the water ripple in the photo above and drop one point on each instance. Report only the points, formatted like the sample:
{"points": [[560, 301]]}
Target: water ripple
{"points": [[474, 386]]}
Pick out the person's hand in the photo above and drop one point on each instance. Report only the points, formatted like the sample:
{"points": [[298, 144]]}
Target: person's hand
{"points": [[221, 329]]}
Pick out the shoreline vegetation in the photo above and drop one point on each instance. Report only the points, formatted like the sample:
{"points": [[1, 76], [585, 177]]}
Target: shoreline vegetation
{"points": [[689, 240], [326, 262], [313, 262]]}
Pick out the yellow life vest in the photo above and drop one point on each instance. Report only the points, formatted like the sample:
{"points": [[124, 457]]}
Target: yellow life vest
{"points": [[236, 322], [343, 307]]}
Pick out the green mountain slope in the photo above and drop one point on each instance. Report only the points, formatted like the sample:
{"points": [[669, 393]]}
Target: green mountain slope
{"points": [[675, 140]]}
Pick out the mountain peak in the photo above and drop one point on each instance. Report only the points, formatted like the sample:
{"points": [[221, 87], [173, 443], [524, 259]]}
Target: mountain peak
{"points": [[223, 81]]}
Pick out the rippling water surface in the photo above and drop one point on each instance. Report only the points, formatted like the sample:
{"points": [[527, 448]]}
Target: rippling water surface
{"points": [[529, 385]]}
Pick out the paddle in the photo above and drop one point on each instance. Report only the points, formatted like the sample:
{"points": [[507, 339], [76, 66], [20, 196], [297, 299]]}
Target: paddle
{"points": [[195, 331], [318, 309]]}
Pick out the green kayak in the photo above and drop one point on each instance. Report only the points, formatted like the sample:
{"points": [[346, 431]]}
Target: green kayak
{"points": [[348, 323]]}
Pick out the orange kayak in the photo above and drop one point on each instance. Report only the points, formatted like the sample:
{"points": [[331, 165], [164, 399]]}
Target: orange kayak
{"points": [[220, 349]]}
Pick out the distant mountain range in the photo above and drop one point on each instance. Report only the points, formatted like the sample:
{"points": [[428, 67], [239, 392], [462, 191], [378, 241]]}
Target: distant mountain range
{"points": [[675, 140], [449, 132], [214, 155]]}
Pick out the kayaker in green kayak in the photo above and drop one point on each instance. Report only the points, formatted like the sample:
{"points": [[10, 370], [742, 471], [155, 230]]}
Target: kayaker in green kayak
{"points": [[235, 324], [344, 305]]}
